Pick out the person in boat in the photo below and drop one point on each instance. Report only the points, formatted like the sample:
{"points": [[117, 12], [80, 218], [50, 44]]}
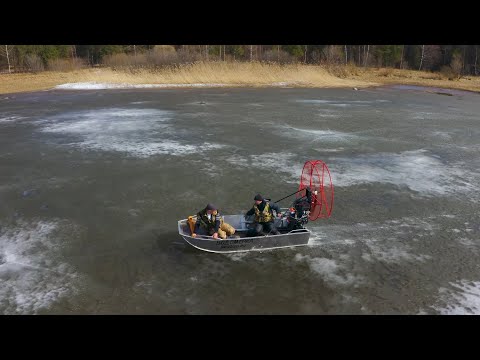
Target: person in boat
{"points": [[264, 217], [210, 222]]}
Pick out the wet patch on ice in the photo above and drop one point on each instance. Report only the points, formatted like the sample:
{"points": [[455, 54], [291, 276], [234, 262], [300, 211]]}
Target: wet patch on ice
{"points": [[442, 135], [238, 160], [390, 241], [460, 298], [328, 115], [421, 115], [102, 86], [139, 102], [435, 116], [394, 252], [418, 170], [278, 163], [32, 272], [322, 150], [329, 270], [237, 256], [137, 132], [324, 136], [466, 236], [341, 102], [10, 119]]}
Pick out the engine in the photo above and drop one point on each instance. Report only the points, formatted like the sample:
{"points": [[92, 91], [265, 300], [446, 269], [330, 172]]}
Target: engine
{"points": [[299, 211]]}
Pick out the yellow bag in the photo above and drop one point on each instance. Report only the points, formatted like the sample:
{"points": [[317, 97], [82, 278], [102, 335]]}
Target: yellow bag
{"points": [[191, 223]]}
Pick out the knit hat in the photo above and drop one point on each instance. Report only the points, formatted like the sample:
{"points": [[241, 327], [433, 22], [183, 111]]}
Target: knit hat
{"points": [[258, 197], [211, 207]]}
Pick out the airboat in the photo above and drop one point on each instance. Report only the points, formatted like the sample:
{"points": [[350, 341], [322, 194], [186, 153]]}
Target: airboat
{"points": [[313, 200]]}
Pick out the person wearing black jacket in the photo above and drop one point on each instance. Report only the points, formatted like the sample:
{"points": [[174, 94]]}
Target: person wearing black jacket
{"points": [[264, 217], [210, 223]]}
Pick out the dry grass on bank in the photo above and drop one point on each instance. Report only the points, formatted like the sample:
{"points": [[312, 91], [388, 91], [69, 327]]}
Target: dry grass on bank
{"points": [[238, 74], [422, 78]]}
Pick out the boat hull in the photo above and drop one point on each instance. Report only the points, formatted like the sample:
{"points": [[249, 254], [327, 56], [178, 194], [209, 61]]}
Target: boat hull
{"points": [[241, 243]]}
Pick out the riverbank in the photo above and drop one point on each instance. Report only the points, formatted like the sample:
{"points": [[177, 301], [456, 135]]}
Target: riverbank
{"points": [[232, 75]]}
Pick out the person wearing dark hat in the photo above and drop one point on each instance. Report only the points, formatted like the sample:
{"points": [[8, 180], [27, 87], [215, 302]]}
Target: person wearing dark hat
{"points": [[264, 218], [210, 223]]}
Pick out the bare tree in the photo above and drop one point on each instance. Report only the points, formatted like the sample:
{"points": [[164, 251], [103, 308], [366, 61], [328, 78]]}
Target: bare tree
{"points": [[401, 57], [251, 52], [333, 54], [431, 57], [457, 65], [305, 60], [8, 58], [421, 58], [346, 57], [475, 66], [366, 59], [6, 52]]}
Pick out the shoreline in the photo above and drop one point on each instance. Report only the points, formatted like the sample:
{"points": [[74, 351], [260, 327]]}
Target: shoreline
{"points": [[407, 87], [231, 75]]}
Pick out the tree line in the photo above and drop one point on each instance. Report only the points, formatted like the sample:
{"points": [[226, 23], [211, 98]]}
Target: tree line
{"points": [[463, 59]]}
